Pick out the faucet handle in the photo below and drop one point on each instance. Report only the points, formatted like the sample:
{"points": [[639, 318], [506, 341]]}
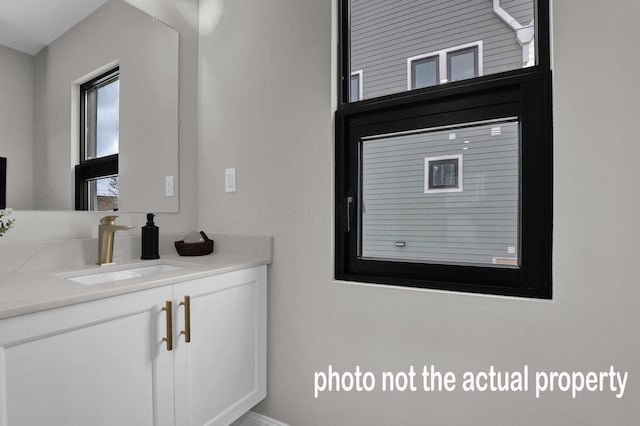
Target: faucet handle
{"points": [[108, 220]]}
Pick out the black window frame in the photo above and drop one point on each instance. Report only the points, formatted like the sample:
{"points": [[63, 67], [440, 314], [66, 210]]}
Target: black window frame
{"points": [[95, 168], [523, 93]]}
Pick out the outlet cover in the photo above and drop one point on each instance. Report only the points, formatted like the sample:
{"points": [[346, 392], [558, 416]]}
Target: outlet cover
{"points": [[168, 186], [230, 180]]}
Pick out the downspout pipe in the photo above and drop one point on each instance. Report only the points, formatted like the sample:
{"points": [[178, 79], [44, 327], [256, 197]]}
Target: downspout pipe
{"points": [[524, 34]]}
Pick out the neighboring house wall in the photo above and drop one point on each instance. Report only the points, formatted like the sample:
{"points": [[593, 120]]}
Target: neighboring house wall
{"points": [[452, 226], [475, 225], [520, 10], [385, 33]]}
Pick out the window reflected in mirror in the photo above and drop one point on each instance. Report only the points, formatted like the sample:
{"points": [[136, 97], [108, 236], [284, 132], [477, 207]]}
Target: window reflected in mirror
{"points": [[97, 172]]}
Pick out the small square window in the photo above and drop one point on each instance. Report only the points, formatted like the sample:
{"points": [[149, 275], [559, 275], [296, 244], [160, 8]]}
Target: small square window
{"points": [[425, 72], [462, 64], [443, 174]]}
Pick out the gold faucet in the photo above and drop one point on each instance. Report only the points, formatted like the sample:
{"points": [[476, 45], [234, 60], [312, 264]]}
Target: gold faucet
{"points": [[106, 233]]}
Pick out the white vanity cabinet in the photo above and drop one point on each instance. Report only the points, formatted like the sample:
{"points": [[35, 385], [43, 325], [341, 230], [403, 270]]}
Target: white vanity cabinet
{"points": [[105, 362], [221, 373], [94, 363]]}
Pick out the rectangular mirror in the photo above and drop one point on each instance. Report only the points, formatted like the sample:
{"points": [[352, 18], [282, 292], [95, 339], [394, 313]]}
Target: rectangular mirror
{"points": [[113, 146]]}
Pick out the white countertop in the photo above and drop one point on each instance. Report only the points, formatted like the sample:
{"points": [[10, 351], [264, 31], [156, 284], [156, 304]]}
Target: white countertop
{"points": [[32, 291]]}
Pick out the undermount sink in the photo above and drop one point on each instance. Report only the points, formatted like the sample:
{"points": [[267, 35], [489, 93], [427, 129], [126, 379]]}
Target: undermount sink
{"points": [[123, 274]]}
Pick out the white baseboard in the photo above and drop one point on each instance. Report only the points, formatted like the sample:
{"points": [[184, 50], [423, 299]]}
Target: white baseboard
{"points": [[255, 419]]}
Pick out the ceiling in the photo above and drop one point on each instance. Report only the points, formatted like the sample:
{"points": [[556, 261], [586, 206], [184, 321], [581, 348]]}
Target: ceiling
{"points": [[30, 25]]}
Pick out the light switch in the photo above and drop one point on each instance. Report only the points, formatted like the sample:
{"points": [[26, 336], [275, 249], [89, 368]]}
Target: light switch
{"points": [[230, 180], [168, 186]]}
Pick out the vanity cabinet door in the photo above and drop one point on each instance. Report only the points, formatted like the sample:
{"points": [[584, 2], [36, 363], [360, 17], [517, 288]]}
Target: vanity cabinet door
{"points": [[221, 373], [96, 363]]}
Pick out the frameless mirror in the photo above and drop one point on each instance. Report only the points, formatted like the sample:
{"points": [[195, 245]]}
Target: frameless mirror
{"points": [[50, 124]]}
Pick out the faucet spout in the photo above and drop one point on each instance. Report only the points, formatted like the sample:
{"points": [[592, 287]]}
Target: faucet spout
{"points": [[106, 234]]}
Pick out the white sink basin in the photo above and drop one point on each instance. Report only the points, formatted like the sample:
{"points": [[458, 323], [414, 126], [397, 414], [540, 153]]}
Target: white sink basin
{"points": [[123, 274]]}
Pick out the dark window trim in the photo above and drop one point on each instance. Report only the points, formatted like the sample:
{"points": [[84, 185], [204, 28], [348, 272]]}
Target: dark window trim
{"points": [[414, 62], [96, 167], [92, 169], [476, 60], [3, 183], [524, 93]]}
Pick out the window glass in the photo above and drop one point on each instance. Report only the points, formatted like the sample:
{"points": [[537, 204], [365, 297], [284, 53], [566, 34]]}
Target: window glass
{"points": [[383, 34], [447, 195], [102, 119], [103, 194], [462, 64], [355, 88], [442, 174], [96, 180], [424, 72]]}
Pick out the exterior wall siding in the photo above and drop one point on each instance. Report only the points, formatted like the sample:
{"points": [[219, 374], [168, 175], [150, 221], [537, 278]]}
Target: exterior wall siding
{"points": [[384, 33], [479, 223], [472, 226], [522, 11]]}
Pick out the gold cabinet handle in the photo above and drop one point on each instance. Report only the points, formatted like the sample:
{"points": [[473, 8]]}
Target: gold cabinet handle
{"points": [[169, 339], [187, 319]]}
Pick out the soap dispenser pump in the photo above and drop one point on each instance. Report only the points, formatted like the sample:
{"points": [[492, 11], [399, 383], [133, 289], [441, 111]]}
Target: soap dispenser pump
{"points": [[150, 239]]}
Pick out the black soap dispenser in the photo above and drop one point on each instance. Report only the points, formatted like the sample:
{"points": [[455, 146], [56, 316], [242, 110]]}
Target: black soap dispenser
{"points": [[150, 239]]}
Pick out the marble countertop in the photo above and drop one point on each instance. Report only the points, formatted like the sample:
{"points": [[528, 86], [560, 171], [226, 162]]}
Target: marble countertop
{"points": [[27, 291]]}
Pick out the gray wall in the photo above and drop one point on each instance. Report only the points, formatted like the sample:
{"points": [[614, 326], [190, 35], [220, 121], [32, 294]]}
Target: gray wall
{"points": [[385, 33], [278, 132], [16, 125], [475, 225]]}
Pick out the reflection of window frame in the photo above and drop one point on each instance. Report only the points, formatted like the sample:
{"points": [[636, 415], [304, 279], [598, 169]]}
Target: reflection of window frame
{"points": [[428, 188], [95, 168], [444, 68], [522, 94], [357, 74]]}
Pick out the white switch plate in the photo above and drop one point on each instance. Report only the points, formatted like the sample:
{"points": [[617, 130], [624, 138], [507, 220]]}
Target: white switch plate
{"points": [[230, 180], [168, 186]]}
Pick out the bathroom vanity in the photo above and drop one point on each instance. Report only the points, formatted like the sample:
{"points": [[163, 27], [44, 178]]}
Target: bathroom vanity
{"points": [[183, 345]]}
